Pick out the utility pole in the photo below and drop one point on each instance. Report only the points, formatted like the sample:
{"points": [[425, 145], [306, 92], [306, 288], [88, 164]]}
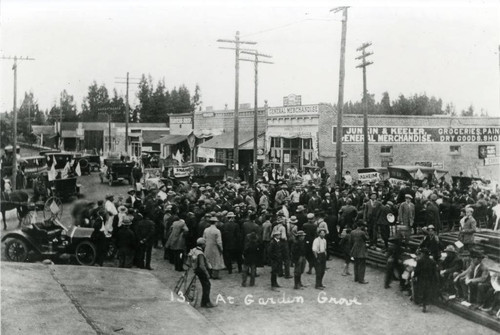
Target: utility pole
{"points": [[236, 43], [256, 62], [14, 111], [127, 109], [109, 111], [363, 65], [340, 103]]}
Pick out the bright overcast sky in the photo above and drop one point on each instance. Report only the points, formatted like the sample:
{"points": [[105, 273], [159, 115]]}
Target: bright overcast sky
{"points": [[448, 49]]}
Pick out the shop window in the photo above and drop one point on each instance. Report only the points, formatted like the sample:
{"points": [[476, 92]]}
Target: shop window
{"points": [[386, 150], [295, 158], [287, 143], [307, 143], [455, 149], [295, 143], [276, 142]]}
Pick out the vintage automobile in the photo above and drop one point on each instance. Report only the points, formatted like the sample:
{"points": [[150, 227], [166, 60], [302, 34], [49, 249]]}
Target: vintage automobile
{"points": [[65, 188], [50, 239], [93, 159], [207, 172], [32, 167], [117, 172], [369, 174], [415, 174], [151, 158]]}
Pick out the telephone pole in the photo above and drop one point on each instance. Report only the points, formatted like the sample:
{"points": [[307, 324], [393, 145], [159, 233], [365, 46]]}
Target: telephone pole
{"points": [[256, 62], [237, 42], [14, 111], [109, 111], [363, 65], [127, 109], [340, 102]]}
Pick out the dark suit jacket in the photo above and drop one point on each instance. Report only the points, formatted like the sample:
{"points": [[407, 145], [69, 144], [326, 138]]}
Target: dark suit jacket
{"points": [[358, 240]]}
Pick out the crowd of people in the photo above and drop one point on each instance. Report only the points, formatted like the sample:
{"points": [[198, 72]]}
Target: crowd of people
{"points": [[289, 223]]}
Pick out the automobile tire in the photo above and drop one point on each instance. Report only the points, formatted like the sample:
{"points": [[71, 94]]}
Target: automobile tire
{"points": [[86, 253], [16, 250]]}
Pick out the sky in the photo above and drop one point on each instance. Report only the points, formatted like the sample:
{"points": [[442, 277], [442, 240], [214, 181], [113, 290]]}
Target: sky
{"points": [[446, 49]]}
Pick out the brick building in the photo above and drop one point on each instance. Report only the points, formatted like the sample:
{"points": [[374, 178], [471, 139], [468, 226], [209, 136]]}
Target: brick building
{"points": [[457, 144]]}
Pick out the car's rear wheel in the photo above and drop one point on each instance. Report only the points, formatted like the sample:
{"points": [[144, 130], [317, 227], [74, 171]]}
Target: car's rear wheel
{"points": [[86, 253], [16, 250]]}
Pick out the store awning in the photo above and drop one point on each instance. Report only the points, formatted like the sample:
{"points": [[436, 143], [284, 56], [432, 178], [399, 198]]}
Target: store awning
{"points": [[205, 133], [171, 139], [226, 141], [150, 136]]}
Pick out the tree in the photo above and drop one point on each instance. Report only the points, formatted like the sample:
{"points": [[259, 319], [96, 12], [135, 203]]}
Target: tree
{"points": [[5, 129], [144, 95], [468, 112], [196, 99], [117, 102], [27, 114], [385, 104], [97, 98], [68, 107]]}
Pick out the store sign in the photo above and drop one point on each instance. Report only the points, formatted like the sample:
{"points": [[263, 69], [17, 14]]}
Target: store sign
{"points": [[180, 120], [424, 163], [293, 110], [418, 134], [492, 161], [208, 114], [292, 100], [208, 153], [368, 176], [181, 172], [486, 151]]}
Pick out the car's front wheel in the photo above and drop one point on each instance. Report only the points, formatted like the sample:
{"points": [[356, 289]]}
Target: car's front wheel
{"points": [[16, 250], [86, 253]]}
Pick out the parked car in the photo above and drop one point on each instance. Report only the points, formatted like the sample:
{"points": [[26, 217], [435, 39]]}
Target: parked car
{"points": [[93, 159], [117, 172], [32, 167], [207, 172], [50, 239]]}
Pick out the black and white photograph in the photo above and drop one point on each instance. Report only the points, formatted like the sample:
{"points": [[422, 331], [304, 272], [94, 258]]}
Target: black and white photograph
{"points": [[249, 167]]}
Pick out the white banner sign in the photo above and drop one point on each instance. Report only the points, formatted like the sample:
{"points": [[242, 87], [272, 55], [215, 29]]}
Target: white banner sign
{"points": [[492, 161], [181, 172], [206, 153], [368, 176]]}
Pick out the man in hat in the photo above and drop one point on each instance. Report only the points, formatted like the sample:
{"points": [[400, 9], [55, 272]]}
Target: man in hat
{"points": [[451, 264], [145, 232], [310, 229], [251, 255], [201, 268], [319, 250], [285, 253], [383, 223], [264, 200], [295, 198], [432, 213], [267, 228], [231, 236], [359, 252], [111, 210], [299, 250], [431, 242], [370, 215], [406, 217], [425, 274], [176, 242], [214, 249], [131, 199], [126, 243], [473, 283], [301, 217], [468, 228], [348, 214], [275, 259], [281, 195]]}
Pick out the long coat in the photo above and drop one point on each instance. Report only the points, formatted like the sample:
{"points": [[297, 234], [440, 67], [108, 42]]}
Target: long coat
{"points": [[468, 230], [213, 248], [177, 238], [358, 239], [231, 235]]}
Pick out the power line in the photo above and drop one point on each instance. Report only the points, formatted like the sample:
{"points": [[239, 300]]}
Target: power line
{"points": [[237, 42], [127, 106], [256, 62], [363, 65]]}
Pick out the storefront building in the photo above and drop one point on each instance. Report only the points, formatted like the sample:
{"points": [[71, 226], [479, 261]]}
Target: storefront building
{"points": [[457, 144], [292, 136]]}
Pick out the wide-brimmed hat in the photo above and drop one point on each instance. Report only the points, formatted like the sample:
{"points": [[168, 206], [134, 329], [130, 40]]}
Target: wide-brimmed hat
{"points": [[201, 241], [450, 248], [171, 193], [195, 185], [301, 233], [230, 215], [310, 216], [431, 227], [126, 221], [130, 190], [213, 219], [122, 209], [433, 197], [408, 196], [109, 195], [293, 219], [300, 208]]}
